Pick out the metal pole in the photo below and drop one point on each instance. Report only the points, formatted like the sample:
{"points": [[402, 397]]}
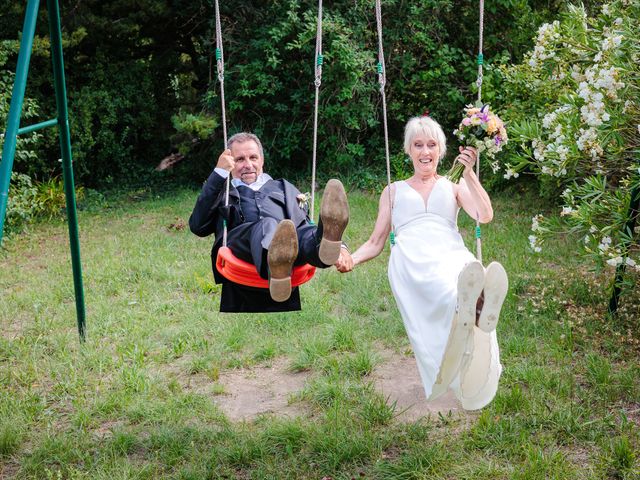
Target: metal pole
{"points": [[15, 109], [67, 168]]}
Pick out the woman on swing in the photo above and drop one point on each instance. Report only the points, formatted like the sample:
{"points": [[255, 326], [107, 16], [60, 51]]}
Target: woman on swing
{"points": [[436, 281]]}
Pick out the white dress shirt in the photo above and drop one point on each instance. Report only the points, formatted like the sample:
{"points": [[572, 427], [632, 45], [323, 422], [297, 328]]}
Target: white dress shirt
{"points": [[236, 182]]}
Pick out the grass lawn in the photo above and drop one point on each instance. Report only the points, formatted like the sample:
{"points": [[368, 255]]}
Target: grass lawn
{"points": [[140, 399]]}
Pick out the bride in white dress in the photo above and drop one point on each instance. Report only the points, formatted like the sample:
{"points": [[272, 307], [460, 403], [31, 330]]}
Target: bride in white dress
{"points": [[435, 279]]}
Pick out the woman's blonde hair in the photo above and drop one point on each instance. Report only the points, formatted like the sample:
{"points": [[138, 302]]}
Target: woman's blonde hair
{"points": [[429, 128]]}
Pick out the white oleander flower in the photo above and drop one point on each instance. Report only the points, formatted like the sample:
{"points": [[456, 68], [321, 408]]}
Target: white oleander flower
{"points": [[535, 222], [511, 173], [533, 242], [566, 211], [615, 261]]}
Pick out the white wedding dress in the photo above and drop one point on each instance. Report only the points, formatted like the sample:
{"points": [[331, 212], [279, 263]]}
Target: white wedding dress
{"points": [[425, 261]]}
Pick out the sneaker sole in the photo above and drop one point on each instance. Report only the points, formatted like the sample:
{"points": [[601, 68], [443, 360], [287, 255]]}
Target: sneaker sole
{"points": [[334, 215], [496, 285], [283, 251]]}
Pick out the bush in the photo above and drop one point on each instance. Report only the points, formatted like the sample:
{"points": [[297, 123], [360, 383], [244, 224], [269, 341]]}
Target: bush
{"points": [[29, 201], [22, 205], [577, 122]]}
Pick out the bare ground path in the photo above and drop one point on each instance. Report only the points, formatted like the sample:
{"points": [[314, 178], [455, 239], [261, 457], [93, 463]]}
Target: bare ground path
{"points": [[267, 390]]}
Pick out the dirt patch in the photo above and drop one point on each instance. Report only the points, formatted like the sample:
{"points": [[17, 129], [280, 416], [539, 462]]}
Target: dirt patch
{"points": [[9, 470], [14, 329], [399, 381], [249, 393]]}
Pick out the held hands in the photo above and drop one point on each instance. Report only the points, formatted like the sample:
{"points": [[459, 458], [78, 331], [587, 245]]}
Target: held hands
{"points": [[345, 261], [467, 157], [226, 161]]}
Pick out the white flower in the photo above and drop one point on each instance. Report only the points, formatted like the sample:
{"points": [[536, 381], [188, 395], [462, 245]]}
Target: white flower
{"points": [[562, 152], [566, 211], [511, 173], [303, 199], [631, 262], [533, 242], [548, 119], [614, 262], [535, 223]]}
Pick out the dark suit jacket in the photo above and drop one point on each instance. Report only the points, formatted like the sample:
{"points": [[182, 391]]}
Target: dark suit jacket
{"points": [[207, 218]]}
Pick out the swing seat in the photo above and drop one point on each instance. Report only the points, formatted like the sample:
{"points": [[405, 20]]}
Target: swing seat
{"points": [[244, 273]]}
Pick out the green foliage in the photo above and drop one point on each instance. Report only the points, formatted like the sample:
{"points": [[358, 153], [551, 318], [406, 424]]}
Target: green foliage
{"points": [[26, 145], [10, 439], [29, 200], [191, 130], [575, 114], [50, 197], [22, 205], [141, 79], [430, 65], [113, 123]]}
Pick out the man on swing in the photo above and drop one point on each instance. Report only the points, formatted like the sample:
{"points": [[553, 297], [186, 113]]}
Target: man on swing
{"points": [[268, 226]]}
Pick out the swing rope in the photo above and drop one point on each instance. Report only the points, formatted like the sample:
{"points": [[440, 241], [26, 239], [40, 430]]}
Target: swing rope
{"points": [[479, 84], [318, 81], [220, 66], [382, 80]]}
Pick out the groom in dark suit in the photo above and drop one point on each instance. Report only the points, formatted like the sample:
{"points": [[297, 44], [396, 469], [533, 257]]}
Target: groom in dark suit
{"points": [[268, 226]]}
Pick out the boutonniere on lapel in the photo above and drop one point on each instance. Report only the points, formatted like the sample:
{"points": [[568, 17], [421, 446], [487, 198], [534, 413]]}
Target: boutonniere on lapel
{"points": [[303, 200]]}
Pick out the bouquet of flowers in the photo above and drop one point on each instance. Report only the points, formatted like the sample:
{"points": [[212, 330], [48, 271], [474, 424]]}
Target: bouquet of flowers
{"points": [[482, 129]]}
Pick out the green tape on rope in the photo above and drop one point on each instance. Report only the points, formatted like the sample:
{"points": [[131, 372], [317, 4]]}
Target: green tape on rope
{"points": [[218, 54], [379, 67], [311, 222], [480, 59], [224, 224], [392, 238], [320, 59], [477, 232]]}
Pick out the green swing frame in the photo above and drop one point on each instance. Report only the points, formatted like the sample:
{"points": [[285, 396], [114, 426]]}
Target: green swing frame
{"points": [[61, 121]]}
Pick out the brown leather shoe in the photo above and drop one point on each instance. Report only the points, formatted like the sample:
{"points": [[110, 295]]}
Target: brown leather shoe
{"points": [[283, 251], [334, 215]]}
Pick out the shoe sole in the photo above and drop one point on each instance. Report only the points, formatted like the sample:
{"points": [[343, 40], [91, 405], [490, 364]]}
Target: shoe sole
{"points": [[283, 251], [334, 215], [457, 351], [496, 285]]}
